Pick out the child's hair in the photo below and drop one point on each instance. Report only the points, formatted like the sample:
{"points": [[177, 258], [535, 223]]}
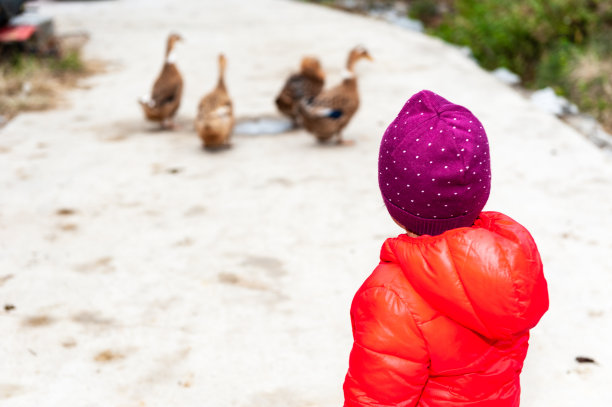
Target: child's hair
{"points": [[434, 171]]}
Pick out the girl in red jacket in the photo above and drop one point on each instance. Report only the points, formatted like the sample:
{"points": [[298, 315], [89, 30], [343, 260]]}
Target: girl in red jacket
{"points": [[444, 319]]}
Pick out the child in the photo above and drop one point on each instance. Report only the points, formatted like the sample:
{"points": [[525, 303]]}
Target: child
{"points": [[444, 319]]}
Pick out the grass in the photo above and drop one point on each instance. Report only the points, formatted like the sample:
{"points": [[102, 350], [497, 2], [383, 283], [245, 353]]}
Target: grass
{"points": [[564, 44], [33, 83]]}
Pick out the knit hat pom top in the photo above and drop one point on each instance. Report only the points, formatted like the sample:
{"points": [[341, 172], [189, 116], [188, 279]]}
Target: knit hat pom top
{"points": [[434, 170]]}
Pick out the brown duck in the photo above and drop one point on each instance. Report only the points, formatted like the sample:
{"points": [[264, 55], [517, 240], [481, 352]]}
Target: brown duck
{"points": [[165, 98], [215, 118], [330, 111], [303, 85]]}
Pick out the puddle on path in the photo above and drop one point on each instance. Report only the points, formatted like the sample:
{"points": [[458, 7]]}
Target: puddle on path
{"points": [[262, 126]]}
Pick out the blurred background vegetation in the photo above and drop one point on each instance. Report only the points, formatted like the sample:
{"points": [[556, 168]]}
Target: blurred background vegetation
{"points": [[564, 44], [29, 82]]}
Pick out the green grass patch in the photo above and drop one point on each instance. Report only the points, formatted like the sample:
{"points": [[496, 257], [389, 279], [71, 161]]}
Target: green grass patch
{"points": [[30, 83], [564, 44]]}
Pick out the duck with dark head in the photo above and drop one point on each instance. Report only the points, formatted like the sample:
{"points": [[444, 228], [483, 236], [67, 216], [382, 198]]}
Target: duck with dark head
{"points": [[305, 84], [326, 114]]}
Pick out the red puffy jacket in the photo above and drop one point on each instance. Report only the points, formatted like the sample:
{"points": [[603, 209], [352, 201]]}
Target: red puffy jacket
{"points": [[444, 320]]}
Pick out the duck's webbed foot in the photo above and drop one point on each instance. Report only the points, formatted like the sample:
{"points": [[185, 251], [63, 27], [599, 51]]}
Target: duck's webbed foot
{"points": [[169, 124], [342, 142]]}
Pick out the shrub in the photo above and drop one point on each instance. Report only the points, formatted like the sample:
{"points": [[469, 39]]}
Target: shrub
{"points": [[517, 34], [425, 10], [565, 44], [29, 82], [69, 62]]}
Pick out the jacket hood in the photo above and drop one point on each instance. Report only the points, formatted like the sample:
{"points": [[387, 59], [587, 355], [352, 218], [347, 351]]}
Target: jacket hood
{"points": [[487, 277]]}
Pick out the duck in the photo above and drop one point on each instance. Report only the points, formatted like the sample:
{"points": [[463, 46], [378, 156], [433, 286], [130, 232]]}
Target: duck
{"points": [[326, 114], [215, 118], [165, 98], [307, 83]]}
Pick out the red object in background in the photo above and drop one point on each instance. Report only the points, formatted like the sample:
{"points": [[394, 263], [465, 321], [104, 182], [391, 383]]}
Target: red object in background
{"points": [[17, 33]]}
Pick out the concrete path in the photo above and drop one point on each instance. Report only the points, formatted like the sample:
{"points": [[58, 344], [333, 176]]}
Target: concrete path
{"points": [[146, 272]]}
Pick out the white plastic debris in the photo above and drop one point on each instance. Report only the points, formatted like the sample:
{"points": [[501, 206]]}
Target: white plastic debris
{"points": [[592, 129], [506, 76], [547, 100], [400, 20], [349, 4], [26, 88], [466, 51]]}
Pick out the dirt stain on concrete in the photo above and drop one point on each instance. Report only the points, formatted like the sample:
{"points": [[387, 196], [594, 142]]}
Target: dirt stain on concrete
{"points": [[118, 131], [115, 138], [65, 212], [236, 280], [5, 278], [283, 182], [22, 174], [38, 321], [107, 356], [8, 390], [167, 366], [195, 211], [91, 318], [187, 241], [187, 381], [101, 265], [69, 343], [68, 227], [272, 266]]}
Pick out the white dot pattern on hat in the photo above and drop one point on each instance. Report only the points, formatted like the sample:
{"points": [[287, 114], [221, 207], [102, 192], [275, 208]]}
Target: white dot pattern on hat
{"points": [[439, 174]]}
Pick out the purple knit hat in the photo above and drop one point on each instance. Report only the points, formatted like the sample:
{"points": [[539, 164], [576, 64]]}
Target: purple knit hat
{"points": [[434, 170]]}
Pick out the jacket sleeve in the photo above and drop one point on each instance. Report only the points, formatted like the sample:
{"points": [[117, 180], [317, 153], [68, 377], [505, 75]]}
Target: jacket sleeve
{"points": [[389, 362]]}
